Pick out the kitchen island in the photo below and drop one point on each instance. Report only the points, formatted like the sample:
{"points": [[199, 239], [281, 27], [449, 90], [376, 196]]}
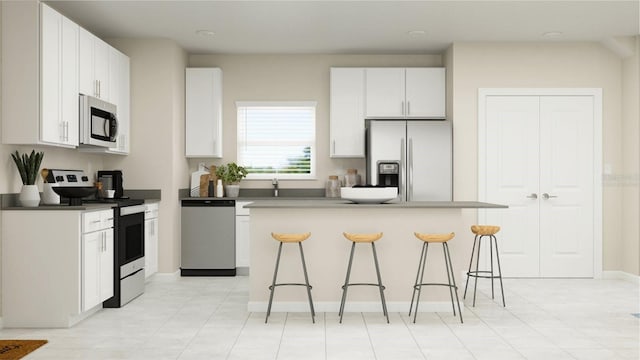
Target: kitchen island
{"points": [[327, 251]]}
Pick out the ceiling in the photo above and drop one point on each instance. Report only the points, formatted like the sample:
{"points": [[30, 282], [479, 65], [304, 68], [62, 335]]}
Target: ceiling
{"points": [[351, 27]]}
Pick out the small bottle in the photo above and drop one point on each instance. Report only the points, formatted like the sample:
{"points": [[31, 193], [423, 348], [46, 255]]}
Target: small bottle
{"points": [[352, 178], [219, 189], [210, 188], [332, 189]]}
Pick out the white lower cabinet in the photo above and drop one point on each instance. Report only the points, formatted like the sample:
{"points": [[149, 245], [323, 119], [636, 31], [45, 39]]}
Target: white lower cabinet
{"points": [[57, 265], [150, 239], [242, 237], [97, 258]]}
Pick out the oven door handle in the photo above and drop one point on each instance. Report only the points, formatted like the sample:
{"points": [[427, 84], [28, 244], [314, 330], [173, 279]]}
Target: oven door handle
{"points": [[130, 210]]}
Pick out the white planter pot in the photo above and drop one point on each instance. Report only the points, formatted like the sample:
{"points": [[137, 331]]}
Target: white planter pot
{"points": [[29, 196], [231, 190]]}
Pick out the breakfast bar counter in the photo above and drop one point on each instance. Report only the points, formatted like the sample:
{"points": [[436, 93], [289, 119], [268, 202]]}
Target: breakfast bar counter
{"points": [[327, 251]]}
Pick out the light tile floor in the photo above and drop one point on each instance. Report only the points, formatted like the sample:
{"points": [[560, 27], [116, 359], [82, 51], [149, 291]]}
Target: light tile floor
{"points": [[206, 318]]}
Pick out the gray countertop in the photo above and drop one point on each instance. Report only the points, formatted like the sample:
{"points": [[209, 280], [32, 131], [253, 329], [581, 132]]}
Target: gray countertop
{"points": [[345, 204], [67, 207]]}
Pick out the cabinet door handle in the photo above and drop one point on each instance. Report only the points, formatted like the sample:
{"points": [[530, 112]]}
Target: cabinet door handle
{"points": [[333, 147], [408, 108], [547, 196], [402, 107], [532, 196]]}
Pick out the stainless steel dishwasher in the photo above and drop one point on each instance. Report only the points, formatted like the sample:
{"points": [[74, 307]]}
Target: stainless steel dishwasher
{"points": [[208, 237]]}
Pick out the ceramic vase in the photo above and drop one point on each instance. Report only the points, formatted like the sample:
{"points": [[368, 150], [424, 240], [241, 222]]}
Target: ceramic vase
{"points": [[232, 190], [29, 196]]}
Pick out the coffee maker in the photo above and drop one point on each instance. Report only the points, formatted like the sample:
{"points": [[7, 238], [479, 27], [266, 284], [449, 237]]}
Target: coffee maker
{"points": [[111, 180]]}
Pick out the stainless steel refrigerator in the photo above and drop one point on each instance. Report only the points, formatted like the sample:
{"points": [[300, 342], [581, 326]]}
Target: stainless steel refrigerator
{"points": [[422, 150]]}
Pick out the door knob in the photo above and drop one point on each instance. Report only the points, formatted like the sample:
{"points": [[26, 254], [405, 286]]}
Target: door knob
{"points": [[547, 196], [532, 196]]}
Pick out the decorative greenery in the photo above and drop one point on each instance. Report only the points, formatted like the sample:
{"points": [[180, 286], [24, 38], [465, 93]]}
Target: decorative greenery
{"points": [[28, 166], [231, 173]]}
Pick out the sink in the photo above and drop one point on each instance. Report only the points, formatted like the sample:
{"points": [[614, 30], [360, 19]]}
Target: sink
{"points": [[369, 195]]}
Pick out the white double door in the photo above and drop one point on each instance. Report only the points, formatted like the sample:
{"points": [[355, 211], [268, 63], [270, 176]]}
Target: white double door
{"points": [[539, 160]]}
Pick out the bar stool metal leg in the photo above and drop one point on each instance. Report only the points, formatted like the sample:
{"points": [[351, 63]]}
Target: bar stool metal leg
{"points": [[418, 278], [380, 287], [475, 282], [473, 249], [272, 288], [499, 269], [453, 280], [306, 281], [346, 282], [425, 247], [446, 264], [491, 262]]}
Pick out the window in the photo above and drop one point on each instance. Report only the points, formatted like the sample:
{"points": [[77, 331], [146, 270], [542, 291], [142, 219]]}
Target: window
{"points": [[277, 139]]}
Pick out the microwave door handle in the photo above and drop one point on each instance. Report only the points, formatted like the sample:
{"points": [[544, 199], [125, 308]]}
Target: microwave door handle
{"points": [[111, 127]]}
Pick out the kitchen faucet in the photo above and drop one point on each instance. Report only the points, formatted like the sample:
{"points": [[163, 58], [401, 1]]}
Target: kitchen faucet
{"points": [[274, 182]]}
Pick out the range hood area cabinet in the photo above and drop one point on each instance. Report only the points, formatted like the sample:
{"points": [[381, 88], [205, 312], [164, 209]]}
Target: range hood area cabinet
{"points": [[417, 93], [113, 66], [39, 75], [346, 119], [203, 113]]}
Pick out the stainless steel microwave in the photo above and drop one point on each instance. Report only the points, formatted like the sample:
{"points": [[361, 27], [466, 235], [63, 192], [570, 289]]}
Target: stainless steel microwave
{"points": [[98, 122]]}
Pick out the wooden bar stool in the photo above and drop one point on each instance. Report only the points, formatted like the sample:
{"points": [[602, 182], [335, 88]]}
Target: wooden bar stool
{"points": [[290, 238], [363, 238], [480, 232], [451, 281]]}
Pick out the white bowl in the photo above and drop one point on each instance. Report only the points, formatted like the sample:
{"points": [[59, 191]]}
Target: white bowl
{"points": [[369, 195]]}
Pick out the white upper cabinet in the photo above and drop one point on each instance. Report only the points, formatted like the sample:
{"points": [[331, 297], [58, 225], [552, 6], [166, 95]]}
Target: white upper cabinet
{"points": [[39, 76], [119, 94], [94, 66], [104, 73], [425, 92], [385, 92], [347, 112], [203, 116], [405, 92]]}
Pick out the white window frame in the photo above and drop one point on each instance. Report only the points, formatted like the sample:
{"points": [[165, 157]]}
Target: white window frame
{"points": [[312, 145]]}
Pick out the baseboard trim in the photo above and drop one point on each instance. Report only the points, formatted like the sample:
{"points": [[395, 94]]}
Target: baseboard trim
{"points": [[354, 306], [621, 275], [165, 276]]}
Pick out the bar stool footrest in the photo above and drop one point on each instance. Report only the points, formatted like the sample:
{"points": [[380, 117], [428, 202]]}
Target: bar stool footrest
{"points": [[365, 284], [287, 284], [417, 286], [475, 274]]}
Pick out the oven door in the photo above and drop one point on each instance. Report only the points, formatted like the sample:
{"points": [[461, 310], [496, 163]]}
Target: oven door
{"points": [[130, 237]]}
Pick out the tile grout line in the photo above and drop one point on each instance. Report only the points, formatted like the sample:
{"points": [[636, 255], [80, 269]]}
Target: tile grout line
{"points": [[412, 335], [456, 336], [284, 326], [209, 318], [326, 352], [364, 320]]}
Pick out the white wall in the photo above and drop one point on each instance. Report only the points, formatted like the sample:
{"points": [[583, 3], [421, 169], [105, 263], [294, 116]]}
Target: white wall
{"points": [[487, 65], [630, 174], [156, 159], [291, 77]]}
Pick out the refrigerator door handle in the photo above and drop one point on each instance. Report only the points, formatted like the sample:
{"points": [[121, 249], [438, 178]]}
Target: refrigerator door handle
{"points": [[410, 176], [403, 170]]}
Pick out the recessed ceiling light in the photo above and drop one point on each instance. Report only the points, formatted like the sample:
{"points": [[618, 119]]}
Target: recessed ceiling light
{"points": [[552, 34], [205, 33], [417, 33]]}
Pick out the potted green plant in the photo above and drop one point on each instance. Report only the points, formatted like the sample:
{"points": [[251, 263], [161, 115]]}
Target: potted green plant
{"points": [[231, 174], [28, 168]]}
